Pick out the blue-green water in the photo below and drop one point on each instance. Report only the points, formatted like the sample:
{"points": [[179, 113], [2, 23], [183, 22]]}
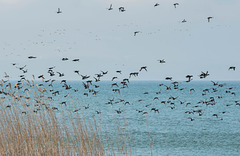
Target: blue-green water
{"points": [[190, 123]]}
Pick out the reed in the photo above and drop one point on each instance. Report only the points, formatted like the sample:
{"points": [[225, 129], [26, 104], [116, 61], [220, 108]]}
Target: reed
{"points": [[32, 127], [44, 134]]}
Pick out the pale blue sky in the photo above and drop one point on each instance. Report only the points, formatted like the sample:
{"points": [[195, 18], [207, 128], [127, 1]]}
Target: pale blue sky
{"points": [[104, 40]]}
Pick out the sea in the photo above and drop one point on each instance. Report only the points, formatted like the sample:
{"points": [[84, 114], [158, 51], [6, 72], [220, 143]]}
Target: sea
{"points": [[161, 118]]}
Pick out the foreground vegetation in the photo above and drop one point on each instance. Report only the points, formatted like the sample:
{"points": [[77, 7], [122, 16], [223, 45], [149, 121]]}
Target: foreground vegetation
{"points": [[44, 134], [29, 125]]}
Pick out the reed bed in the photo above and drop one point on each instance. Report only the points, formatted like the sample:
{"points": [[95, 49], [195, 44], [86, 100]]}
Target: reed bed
{"points": [[29, 126]]}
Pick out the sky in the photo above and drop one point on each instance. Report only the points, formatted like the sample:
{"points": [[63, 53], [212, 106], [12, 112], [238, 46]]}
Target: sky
{"points": [[104, 39]]}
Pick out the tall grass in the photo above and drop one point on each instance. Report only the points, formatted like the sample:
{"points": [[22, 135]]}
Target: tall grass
{"points": [[44, 134], [41, 132]]}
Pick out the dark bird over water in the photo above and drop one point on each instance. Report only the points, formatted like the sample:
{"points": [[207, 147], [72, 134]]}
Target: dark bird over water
{"points": [[156, 5], [214, 83], [191, 119]]}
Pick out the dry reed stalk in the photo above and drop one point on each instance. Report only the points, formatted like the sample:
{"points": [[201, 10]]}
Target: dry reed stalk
{"points": [[42, 133], [150, 142]]}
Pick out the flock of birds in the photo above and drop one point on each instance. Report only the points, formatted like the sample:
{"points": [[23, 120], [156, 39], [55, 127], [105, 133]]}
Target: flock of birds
{"points": [[49, 88], [122, 9], [24, 89]]}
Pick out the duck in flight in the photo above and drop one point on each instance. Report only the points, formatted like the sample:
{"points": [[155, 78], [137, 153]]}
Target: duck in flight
{"points": [[136, 32], [232, 68], [114, 78], [110, 8], [175, 5], [156, 5], [32, 57], [119, 71], [104, 72], [143, 68], [64, 59], [168, 78], [162, 61], [189, 77], [75, 60], [84, 77], [184, 21], [209, 18], [59, 11], [121, 9], [204, 75]]}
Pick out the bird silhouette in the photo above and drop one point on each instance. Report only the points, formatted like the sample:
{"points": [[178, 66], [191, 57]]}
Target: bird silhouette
{"points": [[184, 21], [191, 119], [143, 68], [232, 68], [96, 79], [119, 71], [116, 90], [114, 78], [85, 77], [136, 32], [119, 111], [168, 78], [176, 4], [64, 59], [32, 57], [189, 77], [156, 4], [76, 71], [60, 74], [204, 75], [115, 84], [214, 83], [209, 19], [155, 110], [75, 60], [110, 8], [162, 61], [98, 112], [59, 11], [126, 80], [121, 9], [104, 73]]}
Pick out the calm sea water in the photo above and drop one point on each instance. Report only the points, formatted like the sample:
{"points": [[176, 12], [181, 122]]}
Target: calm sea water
{"points": [[188, 123]]}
